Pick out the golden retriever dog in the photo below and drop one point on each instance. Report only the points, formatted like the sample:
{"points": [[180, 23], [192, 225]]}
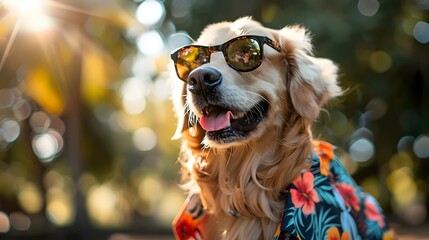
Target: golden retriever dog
{"points": [[246, 97]]}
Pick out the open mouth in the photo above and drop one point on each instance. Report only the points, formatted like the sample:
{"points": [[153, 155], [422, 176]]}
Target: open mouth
{"points": [[226, 125]]}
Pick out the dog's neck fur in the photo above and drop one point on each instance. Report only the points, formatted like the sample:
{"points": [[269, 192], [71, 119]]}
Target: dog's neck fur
{"points": [[243, 185]]}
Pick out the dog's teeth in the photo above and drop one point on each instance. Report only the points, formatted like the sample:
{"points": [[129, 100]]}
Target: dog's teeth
{"points": [[205, 111]]}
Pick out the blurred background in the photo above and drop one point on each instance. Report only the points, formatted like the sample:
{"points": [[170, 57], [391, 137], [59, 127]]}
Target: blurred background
{"points": [[86, 121]]}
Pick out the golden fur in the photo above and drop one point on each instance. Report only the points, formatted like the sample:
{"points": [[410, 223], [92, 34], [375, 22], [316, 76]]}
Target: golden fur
{"points": [[241, 183]]}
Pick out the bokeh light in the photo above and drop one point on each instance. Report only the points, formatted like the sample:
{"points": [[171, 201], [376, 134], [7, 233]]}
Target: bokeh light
{"points": [[101, 203], [400, 182], [150, 43], [9, 130], [181, 8], [380, 61], [362, 150], [142, 67], [40, 121], [133, 95], [368, 7], [415, 213], [59, 211], [47, 141], [20, 221], [161, 91], [401, 160], [22, 109], [376, 109], [405, 143], [144, 139], [107, 205], [30, 198], [150, 191], [7, 97], [47, 145], [4, 222], [421, 146], [169, 203], [150, 12], [421, 32]]}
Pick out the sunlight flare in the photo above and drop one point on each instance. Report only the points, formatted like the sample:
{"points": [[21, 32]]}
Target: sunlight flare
{"points": [[33, 13], [25, 6]]}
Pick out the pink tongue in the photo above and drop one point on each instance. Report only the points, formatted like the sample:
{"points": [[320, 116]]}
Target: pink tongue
{"points": [[215, 123]]}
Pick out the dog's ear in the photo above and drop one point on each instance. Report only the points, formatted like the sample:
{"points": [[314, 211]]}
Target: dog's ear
{"points": [[310, 81]]}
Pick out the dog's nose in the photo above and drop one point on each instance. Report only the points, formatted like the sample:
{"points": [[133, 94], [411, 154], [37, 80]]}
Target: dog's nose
{"points": [[203, 79]]}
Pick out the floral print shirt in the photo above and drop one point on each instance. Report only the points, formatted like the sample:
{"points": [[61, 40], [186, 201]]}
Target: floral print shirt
{"points": [[323, 202], [326, 203]]}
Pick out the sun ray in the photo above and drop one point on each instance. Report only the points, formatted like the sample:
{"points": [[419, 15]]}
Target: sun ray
{"points": [[11, 41], [20, 18], [67, 7], [6, 17], [58, 70]]}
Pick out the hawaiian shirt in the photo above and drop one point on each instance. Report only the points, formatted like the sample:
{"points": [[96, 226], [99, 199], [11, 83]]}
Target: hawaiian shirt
{"points": [[324, 202]]}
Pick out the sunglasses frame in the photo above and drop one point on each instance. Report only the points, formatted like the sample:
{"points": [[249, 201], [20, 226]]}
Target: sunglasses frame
{"points": [[223, 48]]}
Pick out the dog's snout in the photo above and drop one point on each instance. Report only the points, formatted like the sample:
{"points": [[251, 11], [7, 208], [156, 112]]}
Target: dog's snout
{"points": [[204, 79]]}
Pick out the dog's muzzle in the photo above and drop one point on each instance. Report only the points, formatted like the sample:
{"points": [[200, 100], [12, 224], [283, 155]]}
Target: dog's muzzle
{"points": [[223, 122]]}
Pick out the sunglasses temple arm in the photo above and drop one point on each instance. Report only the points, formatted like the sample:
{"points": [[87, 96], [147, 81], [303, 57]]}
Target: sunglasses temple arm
{"points": [[274, 44]]}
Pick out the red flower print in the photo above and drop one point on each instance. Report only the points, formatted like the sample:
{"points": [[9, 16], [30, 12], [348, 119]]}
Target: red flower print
{"points": [[325, 152], [185, 230], [349, 196], [188, 224], [304, 196], [373, 213]]}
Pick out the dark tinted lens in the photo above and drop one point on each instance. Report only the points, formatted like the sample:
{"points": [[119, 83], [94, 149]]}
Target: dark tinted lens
{"points": [[244, 54], [188, 59]]}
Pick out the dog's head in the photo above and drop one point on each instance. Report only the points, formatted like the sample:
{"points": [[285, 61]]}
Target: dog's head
{"points": [[240, 79]]}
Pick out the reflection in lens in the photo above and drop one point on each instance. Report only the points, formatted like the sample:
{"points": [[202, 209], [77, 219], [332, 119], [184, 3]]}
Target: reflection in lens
{"points": [[244, 54], [188, 59]]}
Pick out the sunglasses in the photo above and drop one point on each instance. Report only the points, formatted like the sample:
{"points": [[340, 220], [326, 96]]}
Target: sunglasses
{"points": [[244, 54]]}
